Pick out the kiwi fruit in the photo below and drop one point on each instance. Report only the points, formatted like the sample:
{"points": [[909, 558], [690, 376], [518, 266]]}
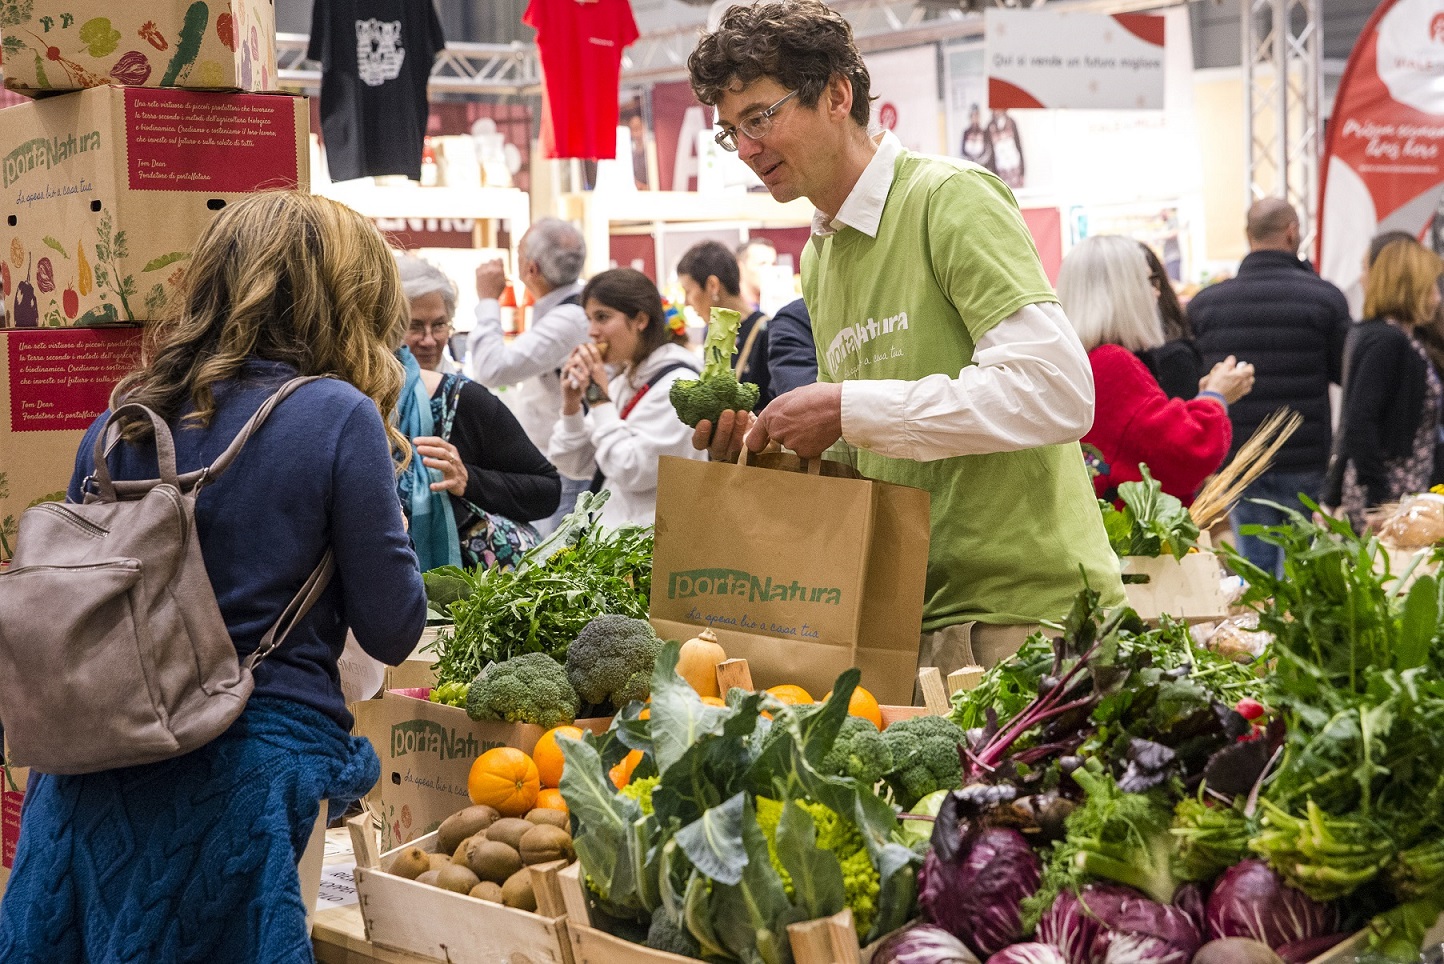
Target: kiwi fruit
{"points": [[509, 830], [557, 818], [491, 859], [544, 842], [410, 863], [486, 890], [517, 892], [458, 880], [429, 878], [439, 862], [459, 856], [462, 824]]}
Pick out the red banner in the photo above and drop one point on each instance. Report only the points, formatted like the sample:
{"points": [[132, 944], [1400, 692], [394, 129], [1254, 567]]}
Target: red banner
{"points": [[1384, 162]]}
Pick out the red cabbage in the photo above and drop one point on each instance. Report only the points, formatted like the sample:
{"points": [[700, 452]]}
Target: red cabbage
{"points": [[1189, 899], [1252, 901], [923, 944], [1139, 931], [1070, 926], [979, 898], [1028, 954]]}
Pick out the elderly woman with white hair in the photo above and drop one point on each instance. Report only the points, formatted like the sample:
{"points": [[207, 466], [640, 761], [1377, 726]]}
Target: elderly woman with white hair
{"points": [[1103, 287], [478, 479]]}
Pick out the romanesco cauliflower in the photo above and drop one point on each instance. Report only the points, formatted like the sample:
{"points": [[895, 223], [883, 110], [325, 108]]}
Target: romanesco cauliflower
{"points": [[861, 882], [641, 791]]}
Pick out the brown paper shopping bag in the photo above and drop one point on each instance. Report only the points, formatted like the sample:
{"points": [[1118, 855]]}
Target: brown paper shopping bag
{"points": [[803, 572]]}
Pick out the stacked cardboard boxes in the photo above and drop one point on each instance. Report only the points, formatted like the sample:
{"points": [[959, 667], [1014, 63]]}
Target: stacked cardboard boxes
{"points": [[168, 116]]}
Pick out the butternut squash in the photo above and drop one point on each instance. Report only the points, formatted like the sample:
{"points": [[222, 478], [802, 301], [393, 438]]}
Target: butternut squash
{"points": [[697, 662]]}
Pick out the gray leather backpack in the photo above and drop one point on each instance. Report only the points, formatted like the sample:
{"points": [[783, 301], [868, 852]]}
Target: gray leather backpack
{"points": [[107, 616]]}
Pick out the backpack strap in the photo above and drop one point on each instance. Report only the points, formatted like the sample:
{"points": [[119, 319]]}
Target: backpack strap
{"points": [[295, 610], [112, 491], [746, 353]]}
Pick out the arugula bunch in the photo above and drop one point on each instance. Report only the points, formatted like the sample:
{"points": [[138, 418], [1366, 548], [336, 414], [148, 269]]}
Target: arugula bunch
{"points": [[1150, 523], [700, 856], [577, 573]]}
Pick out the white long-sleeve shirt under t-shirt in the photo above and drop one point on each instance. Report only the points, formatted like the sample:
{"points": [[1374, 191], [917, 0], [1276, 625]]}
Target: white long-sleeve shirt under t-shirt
{"points": [[532, 358], [1030, 384]]}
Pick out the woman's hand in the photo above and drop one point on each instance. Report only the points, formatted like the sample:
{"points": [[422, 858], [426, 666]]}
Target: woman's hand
{"points": [[583, 368], [437, 453], [1230, 378]]}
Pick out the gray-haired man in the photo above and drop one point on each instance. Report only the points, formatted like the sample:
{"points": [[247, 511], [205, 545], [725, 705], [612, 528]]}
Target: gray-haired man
{"points": [[549, 261]]}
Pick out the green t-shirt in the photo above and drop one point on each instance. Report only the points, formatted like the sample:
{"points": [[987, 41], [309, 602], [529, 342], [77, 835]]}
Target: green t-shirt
{"points": [[1014, 534]]}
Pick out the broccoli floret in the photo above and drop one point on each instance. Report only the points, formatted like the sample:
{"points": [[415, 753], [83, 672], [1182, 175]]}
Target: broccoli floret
{"points": [[611, 660], [718, 390], [859, 752], [531, 688], [924, 757], [665, 935]]}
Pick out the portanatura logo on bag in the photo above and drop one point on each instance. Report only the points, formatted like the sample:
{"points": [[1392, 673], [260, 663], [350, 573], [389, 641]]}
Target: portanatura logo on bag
{"points": [[379, 53], [744, 585], [424, 736]]}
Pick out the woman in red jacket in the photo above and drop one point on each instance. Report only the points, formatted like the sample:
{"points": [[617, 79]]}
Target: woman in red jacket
{"points": [[1104, 289]]}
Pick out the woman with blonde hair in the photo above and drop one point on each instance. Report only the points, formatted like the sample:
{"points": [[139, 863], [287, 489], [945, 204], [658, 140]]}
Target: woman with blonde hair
{"points": [[1392, 395], [194, 858], [1104, 289]]}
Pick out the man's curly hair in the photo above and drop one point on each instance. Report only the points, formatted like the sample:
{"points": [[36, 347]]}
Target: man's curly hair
{"points": [[801, 44]]}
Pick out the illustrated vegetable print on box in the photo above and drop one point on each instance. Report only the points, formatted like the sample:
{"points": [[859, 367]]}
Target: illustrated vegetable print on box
{"points": [[72, 44]]}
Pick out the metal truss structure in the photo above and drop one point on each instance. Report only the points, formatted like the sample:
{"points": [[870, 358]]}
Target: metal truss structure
{"points": [[1283, 90], [461, 68]]}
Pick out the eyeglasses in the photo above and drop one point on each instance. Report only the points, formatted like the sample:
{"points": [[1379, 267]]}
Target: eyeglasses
{"points": [[755, 127], [438, 329]]}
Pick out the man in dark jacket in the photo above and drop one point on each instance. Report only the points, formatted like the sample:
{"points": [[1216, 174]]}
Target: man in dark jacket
{"points": [[1291, 325], [791, 353]]}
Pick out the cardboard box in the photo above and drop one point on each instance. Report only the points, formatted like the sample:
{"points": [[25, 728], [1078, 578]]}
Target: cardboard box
{"points": [[53, 383], [426, 752], [108, 189], [441, 926], [209, 44], [12, 798]]}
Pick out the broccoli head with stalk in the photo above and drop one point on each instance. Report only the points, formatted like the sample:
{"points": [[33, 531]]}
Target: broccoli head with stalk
{"points": [[718, 390], [924, 757], [611, 660]]}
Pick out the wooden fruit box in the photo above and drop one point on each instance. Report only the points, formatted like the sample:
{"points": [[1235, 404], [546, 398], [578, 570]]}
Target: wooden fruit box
{"points": [[831, 940], [428, 922], [1190, 588]]}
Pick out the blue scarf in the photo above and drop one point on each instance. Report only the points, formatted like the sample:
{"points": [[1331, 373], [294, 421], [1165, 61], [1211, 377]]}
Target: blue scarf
{"points": [[433, 526]]}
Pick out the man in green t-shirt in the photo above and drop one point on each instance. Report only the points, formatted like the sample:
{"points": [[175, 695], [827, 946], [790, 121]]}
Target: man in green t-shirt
{"points": [[944, 359]]}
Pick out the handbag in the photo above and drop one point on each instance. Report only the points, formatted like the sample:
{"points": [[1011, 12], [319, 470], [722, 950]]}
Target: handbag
{"points": [[107, 613]]}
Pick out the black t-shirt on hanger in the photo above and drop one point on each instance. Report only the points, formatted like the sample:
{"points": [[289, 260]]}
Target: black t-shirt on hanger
{"points": [[376, 58]]}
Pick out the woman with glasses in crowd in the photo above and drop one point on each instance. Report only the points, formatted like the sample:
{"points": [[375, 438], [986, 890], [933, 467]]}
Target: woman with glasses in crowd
{"points": [[478, 479]]}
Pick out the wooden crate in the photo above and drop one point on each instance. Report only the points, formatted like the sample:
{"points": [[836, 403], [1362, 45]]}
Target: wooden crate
{"points": [[437, 925], [1190, 588]]}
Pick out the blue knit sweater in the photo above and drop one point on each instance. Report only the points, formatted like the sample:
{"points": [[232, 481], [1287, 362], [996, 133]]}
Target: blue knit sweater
{"points": [[317, 473]]}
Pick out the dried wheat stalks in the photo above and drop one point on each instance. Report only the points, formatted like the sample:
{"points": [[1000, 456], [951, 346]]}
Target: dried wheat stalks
{"points": [[1257, 454]]}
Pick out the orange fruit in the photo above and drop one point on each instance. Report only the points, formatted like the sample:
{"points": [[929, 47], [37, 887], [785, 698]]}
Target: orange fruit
{"points": [[862, 704], [791, 694], [550, 799], [548, 756], [714, 701], [505, 779], [621, 774]]}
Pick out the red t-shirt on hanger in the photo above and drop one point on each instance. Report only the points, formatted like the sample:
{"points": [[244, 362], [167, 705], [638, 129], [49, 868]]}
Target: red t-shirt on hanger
{"points": [[581, 43]]}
